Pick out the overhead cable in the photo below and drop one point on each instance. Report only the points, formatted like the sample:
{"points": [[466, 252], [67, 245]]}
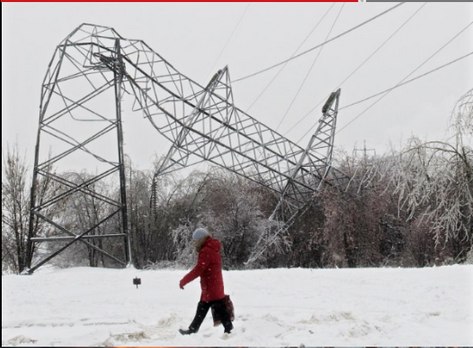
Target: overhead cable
{"points": [[401, 83], [382, 44], [310, 70], [320, 45], [231, 36], [387, 91], [358, 68], [293, 54], [404, 81]]}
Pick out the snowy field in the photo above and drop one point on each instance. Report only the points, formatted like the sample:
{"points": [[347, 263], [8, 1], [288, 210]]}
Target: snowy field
{"points": [[280, 307]]}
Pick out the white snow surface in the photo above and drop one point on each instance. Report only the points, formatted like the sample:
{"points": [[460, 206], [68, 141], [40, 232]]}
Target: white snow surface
{"points": [[274, 307]]}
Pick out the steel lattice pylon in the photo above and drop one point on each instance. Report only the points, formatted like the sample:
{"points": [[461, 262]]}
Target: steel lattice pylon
{"points": [[94, 66]]}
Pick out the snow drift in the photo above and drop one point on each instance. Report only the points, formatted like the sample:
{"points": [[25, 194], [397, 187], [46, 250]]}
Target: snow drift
{"points": [[276, 307]]}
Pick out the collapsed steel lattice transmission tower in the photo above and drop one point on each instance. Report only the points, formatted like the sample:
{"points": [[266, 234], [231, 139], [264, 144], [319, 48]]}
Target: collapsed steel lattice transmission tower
{"points": [[80, 119]]}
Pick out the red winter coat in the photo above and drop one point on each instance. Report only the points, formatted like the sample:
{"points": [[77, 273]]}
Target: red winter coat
{"points": [[209, 269]]}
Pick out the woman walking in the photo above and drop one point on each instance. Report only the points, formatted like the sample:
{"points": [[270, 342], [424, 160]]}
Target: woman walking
{"points": [[209, 269]]}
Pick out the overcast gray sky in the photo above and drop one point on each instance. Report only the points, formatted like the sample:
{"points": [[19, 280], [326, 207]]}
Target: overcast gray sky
{"points": [[200, 38]]}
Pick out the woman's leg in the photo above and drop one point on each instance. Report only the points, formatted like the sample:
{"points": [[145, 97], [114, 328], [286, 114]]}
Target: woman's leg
{"points": [[202, 309]]}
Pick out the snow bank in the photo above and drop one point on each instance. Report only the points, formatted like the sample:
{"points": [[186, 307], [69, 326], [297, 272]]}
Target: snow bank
{"points": [[278, 307]]}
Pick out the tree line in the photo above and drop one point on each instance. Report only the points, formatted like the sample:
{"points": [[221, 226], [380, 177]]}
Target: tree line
{"points": [[411, 208]]}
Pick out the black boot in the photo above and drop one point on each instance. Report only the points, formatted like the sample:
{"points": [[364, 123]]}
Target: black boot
{"points": [[186, 332], [228, 327]]}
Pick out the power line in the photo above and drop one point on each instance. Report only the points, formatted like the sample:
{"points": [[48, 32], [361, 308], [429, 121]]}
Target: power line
{"points": [[295, 52], [231, 35], [359, 67], [387, 91], [383, 44], [404, 82], [408, 81], [310, 70], [401, 83], [319, 45]]}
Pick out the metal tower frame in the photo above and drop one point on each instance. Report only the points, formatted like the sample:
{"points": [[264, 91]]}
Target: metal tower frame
{"points": [[202, 123], [72, 127]]}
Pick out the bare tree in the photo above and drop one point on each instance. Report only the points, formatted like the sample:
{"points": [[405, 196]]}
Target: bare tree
{"points": [[16, 211], [231, 209]]}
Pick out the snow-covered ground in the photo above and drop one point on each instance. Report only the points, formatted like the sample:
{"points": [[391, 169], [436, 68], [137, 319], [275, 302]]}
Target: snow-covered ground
{"points": [[278, 307]]}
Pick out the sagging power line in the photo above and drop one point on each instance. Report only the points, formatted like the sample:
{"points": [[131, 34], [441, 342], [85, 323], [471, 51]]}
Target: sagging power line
{"points": [[396, 31], [319, 45], [401, 83], [293, 54], [306, 77]]}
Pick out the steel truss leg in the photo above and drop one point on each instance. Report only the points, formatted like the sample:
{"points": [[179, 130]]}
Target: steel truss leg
{"points": [[42, 168], [322, 139]]}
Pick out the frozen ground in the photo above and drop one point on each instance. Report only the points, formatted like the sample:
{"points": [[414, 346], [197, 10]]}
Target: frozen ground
{"points": [[278, 307]]}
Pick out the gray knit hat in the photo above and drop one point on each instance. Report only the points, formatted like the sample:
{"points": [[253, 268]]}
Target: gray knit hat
{"points": [[200, 233]]}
